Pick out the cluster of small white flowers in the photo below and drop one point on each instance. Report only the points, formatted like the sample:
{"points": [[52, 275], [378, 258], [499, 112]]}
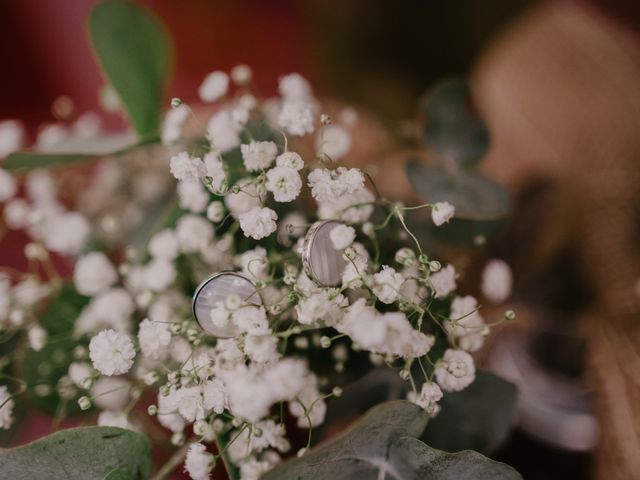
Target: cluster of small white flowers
{"points": [[455, 370], [44, 218], [138, 321], [465, 326]]}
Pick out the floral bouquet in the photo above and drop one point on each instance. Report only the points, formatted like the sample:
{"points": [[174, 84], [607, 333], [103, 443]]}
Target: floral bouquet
{"points": [[231, 279]]}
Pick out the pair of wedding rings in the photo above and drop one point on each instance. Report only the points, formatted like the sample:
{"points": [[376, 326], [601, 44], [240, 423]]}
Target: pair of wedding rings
{"points": [[322, 263]]}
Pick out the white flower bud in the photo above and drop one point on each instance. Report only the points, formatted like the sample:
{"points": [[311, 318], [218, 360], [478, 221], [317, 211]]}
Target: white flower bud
{"points": [[84, 403]]}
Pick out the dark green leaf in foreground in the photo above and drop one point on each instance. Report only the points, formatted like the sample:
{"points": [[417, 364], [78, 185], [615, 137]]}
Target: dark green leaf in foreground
{"points": [[383, 445], [478, 418], [413, 460], [475, 196], [452, 128], [134, 52], [80, 454]]}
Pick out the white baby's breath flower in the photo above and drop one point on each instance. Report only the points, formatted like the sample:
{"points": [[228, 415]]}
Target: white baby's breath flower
{"points": [[6, 410], [442, 212], [241, 74], [172, 125], [8, 186], [496, 281], [16, 213], [258, 222], [164, 244], [79, 372], [342, 236], [465, 325], [290, 160], [214, 169], [195, 403], [194, 233], [214, 87], [254, 263], [94, 273], [455, 371], [333, 141], [386, 284], [327, 186], [186, 168], [153, 338], [66, 233], [428, 398], [111, 352], [11, 137], [261, 348], [193, 197], [251, 320], [199, 463], [258, 155], [114, 419], [355, 271], [111, 393], [284, 182], [245, 199], [294, 87], [215, 211], [37, 337], [296, 117], [109, 309], [443, 281], [224, 131], [356, 207]]}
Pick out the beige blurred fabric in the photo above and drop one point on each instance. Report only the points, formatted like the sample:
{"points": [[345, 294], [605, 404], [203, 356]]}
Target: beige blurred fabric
{"points": [[560, 90]]}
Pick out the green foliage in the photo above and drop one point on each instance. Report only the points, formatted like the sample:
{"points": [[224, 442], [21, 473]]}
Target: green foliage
{"points": [[81, 454], [452, 128], [223, 441], [478, 418], [25, 161], [43, 369], [475, 196], [384, 444], [135, 54]]}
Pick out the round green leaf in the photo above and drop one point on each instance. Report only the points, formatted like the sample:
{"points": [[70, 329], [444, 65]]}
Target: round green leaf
{"points": [[80, 454], [452, 127], [475, 196], [383, 444], [478, 418], [414, 460]]}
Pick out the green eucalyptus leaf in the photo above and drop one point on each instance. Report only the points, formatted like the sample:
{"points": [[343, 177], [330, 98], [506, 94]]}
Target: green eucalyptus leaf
{"points": [[466, 233], [80, 454], [25, 161], [71, 151], [355, 453], [413, 460], [452, 128], [383, 445], [475, 196], [478, 418], [135, 53]]}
